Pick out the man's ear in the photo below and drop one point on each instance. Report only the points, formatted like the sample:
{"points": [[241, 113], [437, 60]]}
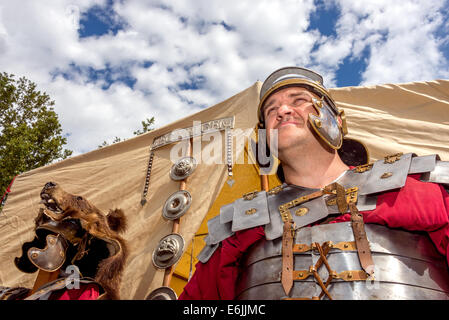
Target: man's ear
{"points": [[340, 122], [341, 118]]}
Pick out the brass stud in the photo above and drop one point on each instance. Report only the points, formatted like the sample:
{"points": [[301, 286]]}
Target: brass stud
{"points": [[318, 123], [318, 103], [346, 245], [386, 175], [250, 211], [34, 255], [301, 212]]}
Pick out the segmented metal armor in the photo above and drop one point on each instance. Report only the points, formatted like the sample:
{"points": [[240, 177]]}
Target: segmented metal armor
{"points": [[325, 260]]}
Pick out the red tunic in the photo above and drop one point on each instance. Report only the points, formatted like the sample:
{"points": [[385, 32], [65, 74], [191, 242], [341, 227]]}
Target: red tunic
{"points": [[88, 291], [418, 206]]}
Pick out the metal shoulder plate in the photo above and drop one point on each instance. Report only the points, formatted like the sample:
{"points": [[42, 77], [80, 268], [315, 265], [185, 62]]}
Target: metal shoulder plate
{"points": [[13, 293], [247, 212], [392, 171], [389, 173], [439, 174]]}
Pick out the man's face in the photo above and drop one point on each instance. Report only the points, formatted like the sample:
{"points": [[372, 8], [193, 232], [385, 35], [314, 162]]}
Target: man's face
{"points": [[287, 111]]}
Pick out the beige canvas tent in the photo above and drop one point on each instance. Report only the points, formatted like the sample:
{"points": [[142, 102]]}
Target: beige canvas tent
{"points": [[391, 118]]}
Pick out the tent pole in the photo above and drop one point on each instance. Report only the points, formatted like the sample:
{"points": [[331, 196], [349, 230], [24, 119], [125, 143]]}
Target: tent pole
{"points": [[44, 277], [176, 223], [265, 186]]}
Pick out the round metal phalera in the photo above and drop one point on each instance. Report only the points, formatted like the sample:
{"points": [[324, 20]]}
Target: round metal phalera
{"points": [[168, 251], [183, 168], [162, 293], [177, 205]]}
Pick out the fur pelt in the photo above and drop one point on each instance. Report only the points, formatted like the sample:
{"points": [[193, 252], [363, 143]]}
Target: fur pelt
{"points": [[60, 205]]}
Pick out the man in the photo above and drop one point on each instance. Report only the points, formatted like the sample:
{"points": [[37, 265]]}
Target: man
{"points": [[337, 228]]}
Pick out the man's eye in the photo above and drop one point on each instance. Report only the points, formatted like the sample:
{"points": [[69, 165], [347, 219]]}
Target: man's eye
{"points": [[299, 101], [269, 110]]}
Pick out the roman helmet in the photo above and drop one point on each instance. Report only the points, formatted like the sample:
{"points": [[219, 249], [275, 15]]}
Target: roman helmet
{"points": [[325, 123], [67, 245]]}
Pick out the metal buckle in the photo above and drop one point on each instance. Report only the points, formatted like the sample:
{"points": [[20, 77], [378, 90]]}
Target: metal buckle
{"points": [[275, 190], [364, 167], [351, 197], [393, 158], [250, 195]]}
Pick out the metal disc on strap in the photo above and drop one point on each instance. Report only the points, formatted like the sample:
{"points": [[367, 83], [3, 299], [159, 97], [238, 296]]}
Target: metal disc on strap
{"points": [[162, 293], [183, 168], [168, 251], [177, 205]]}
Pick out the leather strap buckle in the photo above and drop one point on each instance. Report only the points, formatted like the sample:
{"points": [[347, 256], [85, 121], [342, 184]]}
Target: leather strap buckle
{"points": [[362, 244], [393, 158]]}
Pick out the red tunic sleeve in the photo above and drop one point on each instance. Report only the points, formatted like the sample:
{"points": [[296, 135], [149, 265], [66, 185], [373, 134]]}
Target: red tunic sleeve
{"points": [[216, 279], [418, 206]]}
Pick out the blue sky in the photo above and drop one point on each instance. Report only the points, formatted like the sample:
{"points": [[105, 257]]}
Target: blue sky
{"points": [[102, 20], [324, 19], [110, 64]]}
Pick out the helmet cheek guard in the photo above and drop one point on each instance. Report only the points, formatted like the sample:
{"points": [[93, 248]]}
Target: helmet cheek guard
{"points": [[52, 257], [326, 125], [51, 245]]}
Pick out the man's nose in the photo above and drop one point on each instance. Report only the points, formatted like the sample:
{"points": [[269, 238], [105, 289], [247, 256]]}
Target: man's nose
{"points": [[284, 110]]}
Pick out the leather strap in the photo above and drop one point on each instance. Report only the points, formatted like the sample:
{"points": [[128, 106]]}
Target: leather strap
{"points": [[287, 257], [348, 275], [362, 244], [324, 250], [358, 227], [314, 271], [343, 246], [313, 298]]}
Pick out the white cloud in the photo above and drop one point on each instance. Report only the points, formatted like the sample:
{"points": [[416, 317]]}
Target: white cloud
{"points": [[400, 36], [218, 48]]}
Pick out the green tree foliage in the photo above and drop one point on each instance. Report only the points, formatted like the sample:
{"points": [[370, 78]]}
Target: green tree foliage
{"points": [[146, 127], [30, 132]]}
